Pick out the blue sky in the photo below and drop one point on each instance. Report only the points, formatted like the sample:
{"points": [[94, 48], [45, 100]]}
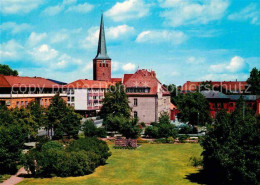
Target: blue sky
{"points": [[181, 40]]}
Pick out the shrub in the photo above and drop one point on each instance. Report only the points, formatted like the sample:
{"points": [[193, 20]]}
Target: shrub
{"points": [[90, 130], [91, 145], [195, 161], [79, 158], [182, 138]]}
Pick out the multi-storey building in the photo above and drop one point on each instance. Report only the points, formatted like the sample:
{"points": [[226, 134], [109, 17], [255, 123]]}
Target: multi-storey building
{"points": [[86, 96], [147, 97], [218, 101], [234, 87], [17, 91]]}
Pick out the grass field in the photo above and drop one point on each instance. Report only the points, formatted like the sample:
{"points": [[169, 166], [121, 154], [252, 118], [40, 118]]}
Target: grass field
{"points": [[150, 164]]}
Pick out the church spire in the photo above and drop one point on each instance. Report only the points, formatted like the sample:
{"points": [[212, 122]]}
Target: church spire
{"points": [[102, 50]]}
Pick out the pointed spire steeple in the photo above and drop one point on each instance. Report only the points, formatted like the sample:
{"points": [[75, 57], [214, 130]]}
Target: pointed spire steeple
{"points": [[102, 49]]}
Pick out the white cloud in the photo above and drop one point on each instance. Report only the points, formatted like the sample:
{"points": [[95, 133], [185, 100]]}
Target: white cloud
{"points": [[53, 10], [19, 6], [129, 67], [44, 53], [10, 50], [251, 13], [115, 65], [129, 9], [81, 8], [88, 67], [195, 60], [179, 12], [112, 33], [36, 38], [156, 36], [119, 31], [66, 4], [14, 28], [236, 65], [59, 37]]}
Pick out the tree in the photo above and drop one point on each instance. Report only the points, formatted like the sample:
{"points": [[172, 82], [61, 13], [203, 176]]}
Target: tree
{"points": [[174, 92], [12, 139], [163, 129], [90, 130], [254, 81], [194, 109], [6, 70], [26, 121], [115, 103], [38, 112], [62, 118], [130, 128], [232, 147]]}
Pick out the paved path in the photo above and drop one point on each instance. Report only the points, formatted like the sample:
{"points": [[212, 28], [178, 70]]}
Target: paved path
{"points": [[14, 179]]}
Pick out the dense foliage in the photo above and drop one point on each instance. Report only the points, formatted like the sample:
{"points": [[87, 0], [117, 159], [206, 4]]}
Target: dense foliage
{"points": [[115, 103], [90, 130], [254, 81], [194, 109], [232, 148], [62, 118], [81, 157], [128, 127], [6, 70], [163, 129]]}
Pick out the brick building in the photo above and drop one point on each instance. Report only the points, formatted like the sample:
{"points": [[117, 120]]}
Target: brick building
{"points": [[235, 87], [17, 91], [218, 101]]}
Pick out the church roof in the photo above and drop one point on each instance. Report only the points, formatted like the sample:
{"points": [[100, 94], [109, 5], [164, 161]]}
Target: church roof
{"points": [[102, 49]]}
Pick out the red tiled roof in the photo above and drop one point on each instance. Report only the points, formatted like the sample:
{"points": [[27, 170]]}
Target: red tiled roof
{"points": [[82, 84], [116, 80], [143, 78], [19, 81], [126, 77], [229, 85]]}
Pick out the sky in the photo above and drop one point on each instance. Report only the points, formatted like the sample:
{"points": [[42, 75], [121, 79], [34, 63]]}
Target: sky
{"points": [[181, 40]]}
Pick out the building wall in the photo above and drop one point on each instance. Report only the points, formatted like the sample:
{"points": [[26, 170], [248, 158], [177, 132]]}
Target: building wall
{"points": [[164, 103], [146, 108], [24, 102], [78, 98], [102, 71]]}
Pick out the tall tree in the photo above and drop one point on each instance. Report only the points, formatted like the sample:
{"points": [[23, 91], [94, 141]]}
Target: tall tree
{"points": [[254, 81], [115, 103], [6, 70], [194, 109], [174, 92], [232, 148], [62, 119]]}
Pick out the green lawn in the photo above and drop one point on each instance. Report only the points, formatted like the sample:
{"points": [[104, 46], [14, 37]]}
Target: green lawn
{"points": [[149, 164]]}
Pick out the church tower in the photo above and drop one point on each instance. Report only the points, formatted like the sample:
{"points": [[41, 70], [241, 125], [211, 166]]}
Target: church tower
{"points": [[102, 62]]}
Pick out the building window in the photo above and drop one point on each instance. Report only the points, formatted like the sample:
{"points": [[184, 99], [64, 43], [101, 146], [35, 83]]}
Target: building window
{"points": [[100, 65], [26, 103], [68, 98], [135, 102], [21, 103], [17, 103], [135, 114], [72, 99], [104, 65], [107, 65], [72, 91], [45, 102]]}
